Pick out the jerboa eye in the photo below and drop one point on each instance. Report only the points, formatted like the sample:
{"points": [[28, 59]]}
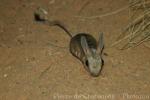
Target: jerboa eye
{"points": [[87, 63]]}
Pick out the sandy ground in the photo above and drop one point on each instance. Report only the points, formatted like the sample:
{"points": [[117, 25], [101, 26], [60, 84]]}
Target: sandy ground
{"points": [[35, 63]]}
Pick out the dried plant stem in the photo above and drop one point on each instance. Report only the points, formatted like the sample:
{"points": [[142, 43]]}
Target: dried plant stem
{"points": [[136, 21], [132, 24], [104, 15], [129, 35], [141, 41]]}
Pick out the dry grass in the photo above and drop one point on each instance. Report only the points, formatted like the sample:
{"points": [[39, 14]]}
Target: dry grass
{"points": [[138, 29]]}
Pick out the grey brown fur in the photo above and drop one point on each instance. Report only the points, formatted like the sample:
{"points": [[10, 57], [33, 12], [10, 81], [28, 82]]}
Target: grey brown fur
{"points": [[83, 46]]}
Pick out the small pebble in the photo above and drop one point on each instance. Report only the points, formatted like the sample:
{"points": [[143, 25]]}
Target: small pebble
{"points": [[51, 1], [20, 29], [5, 75]]}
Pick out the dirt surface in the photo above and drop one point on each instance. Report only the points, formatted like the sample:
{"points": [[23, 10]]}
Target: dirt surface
{"points": [[35, 63]]}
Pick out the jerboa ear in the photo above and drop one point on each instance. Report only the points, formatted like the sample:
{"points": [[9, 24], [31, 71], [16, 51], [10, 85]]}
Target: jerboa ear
{"points": [[85, 46], [100, 45]]}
